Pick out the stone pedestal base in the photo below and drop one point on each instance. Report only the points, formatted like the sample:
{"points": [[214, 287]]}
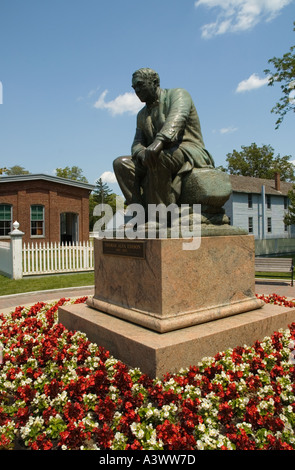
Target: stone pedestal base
{"points": [[157, 354], [162, 286]]}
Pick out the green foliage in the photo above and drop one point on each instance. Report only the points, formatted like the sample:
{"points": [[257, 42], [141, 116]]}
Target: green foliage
{"points": [[14, 170], [259, 162], [101, 192], [101, 195], [284, 74], [75, 173], [289, 218]]}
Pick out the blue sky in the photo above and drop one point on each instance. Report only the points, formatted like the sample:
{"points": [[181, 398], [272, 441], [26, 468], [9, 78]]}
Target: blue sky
{"points": [[66, 67]]}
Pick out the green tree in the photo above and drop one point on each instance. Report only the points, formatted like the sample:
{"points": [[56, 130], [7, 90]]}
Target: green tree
{"points": [[260, 162], [75, 173], [102, 194], [289, 218], [16, 170], [284, 74]]}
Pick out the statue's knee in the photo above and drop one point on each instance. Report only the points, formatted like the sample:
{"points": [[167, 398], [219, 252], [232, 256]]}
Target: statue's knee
{"points": [[117, 163], [120, 162], [164, 160]]}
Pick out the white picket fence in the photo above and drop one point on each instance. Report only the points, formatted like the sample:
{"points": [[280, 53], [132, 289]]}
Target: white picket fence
{"points": [[45, 258]]}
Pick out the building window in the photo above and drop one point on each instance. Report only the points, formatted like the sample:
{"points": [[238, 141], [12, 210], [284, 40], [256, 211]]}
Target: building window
{"points": [[268, 201], [250, 202], [5, 219], [285, 203], [37, 221], [269, 224], [250, 224]]}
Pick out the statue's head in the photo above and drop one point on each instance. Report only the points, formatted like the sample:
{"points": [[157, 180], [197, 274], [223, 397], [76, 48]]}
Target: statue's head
{"points": [[146, 83]]}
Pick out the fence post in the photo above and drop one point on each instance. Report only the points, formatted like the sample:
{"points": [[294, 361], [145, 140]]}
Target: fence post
{"points": [[16, 251]]}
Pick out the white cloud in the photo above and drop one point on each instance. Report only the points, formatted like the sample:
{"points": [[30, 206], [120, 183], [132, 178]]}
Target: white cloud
{"points": [[126, 103], [228, 130], [239, 15], [108, 177], [251, 83]]}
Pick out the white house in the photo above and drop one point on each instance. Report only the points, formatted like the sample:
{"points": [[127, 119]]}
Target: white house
{"points": [[258, 205]]}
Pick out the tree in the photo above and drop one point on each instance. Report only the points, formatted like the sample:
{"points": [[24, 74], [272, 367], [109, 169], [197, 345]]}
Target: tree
{"points": [[260, 162], [101, 195], [75, 173], [285, 74], [289, 218], [101, 192], [16, 170]]}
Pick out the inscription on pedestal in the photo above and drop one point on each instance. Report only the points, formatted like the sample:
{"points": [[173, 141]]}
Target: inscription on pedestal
{"points": [[133, 249]]}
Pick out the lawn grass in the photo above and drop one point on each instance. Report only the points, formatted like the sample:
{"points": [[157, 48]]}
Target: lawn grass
{"points": [[283, 276], [59, 281], [36, 283]]}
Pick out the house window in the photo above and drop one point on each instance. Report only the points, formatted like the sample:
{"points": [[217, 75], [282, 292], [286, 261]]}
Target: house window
{"points": [[285, 203], [250, 224], [268, 201], [269, 224], [5, 219], [37, 221], [250, 202]]}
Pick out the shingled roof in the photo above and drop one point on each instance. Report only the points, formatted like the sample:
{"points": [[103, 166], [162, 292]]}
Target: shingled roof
{"points": [[249, 184]]}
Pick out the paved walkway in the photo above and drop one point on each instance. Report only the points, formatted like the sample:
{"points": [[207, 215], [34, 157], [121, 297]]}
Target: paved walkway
{"points": [[284, 288], [8, 302]]}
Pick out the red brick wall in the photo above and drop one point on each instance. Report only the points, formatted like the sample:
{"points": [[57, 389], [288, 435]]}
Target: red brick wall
{"points": [[56, 198]]}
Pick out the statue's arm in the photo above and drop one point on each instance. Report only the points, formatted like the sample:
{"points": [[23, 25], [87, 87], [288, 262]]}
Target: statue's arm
{"points": [[179, 110], [139, 145]]}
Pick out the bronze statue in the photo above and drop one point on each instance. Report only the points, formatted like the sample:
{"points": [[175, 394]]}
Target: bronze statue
{"points": [[168, 145]]}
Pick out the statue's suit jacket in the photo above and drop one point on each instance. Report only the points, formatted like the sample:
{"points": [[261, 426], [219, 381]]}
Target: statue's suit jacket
{"points": [[174, 121]]}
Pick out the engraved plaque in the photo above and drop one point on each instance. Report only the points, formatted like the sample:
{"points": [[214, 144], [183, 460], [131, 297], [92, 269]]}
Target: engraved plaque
{"points": [[133, 249]]}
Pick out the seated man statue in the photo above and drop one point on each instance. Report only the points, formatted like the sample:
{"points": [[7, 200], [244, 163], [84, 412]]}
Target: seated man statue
{"points": [[168, 145]]}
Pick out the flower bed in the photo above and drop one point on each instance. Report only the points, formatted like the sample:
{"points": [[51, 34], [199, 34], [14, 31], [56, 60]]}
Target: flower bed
{"points": [[60, 391]]}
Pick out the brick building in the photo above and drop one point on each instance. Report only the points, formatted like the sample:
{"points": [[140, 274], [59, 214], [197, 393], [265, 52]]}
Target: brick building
{"points": [[48, 208]]}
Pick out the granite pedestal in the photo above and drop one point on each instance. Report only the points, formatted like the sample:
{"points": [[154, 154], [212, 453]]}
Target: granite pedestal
{"points": [[156, 354], [161, 308], [158, 284]]}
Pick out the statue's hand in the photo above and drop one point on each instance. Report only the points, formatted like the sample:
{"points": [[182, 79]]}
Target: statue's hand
{"points": [[152, 152]]}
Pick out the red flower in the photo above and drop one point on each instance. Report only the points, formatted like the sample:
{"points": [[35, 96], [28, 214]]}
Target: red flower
{"points": [[104, 436], [41, 443], [252, 414], [225, 413], [22, 416], [277, 371], [105, 409], [73, 411], [53, 388], [26, 393], [3, 416], [174, 437], [74, 436], [242, 441]]}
